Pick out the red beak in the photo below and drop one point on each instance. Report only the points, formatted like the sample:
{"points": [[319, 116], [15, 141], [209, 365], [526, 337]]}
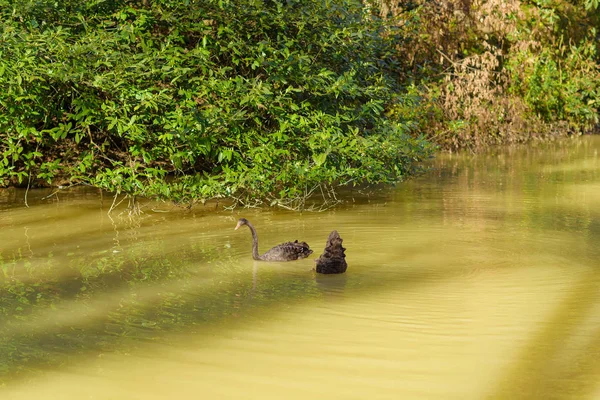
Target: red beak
{"points": [[237, 226]]}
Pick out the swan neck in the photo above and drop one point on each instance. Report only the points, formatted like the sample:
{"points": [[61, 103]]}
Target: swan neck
{"points": [[254, 242]]}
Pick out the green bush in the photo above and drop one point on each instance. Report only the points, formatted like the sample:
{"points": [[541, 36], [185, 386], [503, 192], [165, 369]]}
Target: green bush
{"points": [[557, 73], [180, 100], [501, 71], [563, 88]]}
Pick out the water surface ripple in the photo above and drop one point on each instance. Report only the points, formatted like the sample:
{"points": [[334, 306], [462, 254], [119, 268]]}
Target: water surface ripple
{"points": [[478, 280]]}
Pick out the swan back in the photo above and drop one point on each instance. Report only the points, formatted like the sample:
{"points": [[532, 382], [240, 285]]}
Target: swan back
{"points": [[288, 251]]}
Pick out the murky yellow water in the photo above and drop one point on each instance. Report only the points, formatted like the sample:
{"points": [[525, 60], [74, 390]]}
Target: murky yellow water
{"points": [[479, 280]]}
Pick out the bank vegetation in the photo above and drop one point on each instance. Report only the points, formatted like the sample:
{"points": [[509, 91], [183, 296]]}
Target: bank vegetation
{"points": [[274, 102]]}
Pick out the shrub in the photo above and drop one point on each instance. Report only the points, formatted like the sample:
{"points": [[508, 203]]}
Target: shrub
{"points": [[257, 100], [501, 71]]}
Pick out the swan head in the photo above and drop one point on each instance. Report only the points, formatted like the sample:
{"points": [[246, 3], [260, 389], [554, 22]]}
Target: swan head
{"points": [[241, 222]]}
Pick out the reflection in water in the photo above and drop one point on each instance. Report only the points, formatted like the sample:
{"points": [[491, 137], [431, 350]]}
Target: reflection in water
{"points": [[479, 280], [331, 283]]}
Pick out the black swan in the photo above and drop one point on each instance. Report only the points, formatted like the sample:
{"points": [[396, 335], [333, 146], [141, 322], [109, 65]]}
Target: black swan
{"points": [[288, 251], [333, 259]]}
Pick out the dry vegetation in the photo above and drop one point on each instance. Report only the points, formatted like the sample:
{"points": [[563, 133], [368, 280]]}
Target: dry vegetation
{"points": [[500, 71]]}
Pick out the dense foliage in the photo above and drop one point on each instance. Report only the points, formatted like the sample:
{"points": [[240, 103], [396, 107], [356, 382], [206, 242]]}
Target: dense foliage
{"points": [[274, 100], [501, 71], [258, 100]]}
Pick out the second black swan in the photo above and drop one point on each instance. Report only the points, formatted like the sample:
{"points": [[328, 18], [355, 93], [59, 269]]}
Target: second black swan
{"points": [[288, 251], [333, 259]]}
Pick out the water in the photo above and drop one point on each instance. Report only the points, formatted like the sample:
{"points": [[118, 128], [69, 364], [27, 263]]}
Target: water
{"points": [[479, 280]]}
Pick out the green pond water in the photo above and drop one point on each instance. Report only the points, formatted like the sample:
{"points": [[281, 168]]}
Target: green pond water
{"points": [[478, 280]]}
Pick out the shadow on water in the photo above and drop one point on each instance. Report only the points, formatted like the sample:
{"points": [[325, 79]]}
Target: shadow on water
{"points": [[48, 323], [558, 352], [58, 309]]}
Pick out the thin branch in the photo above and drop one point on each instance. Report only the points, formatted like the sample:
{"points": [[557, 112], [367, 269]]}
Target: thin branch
{"points": [[113, 206], [28, 186], [61, 188]]}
